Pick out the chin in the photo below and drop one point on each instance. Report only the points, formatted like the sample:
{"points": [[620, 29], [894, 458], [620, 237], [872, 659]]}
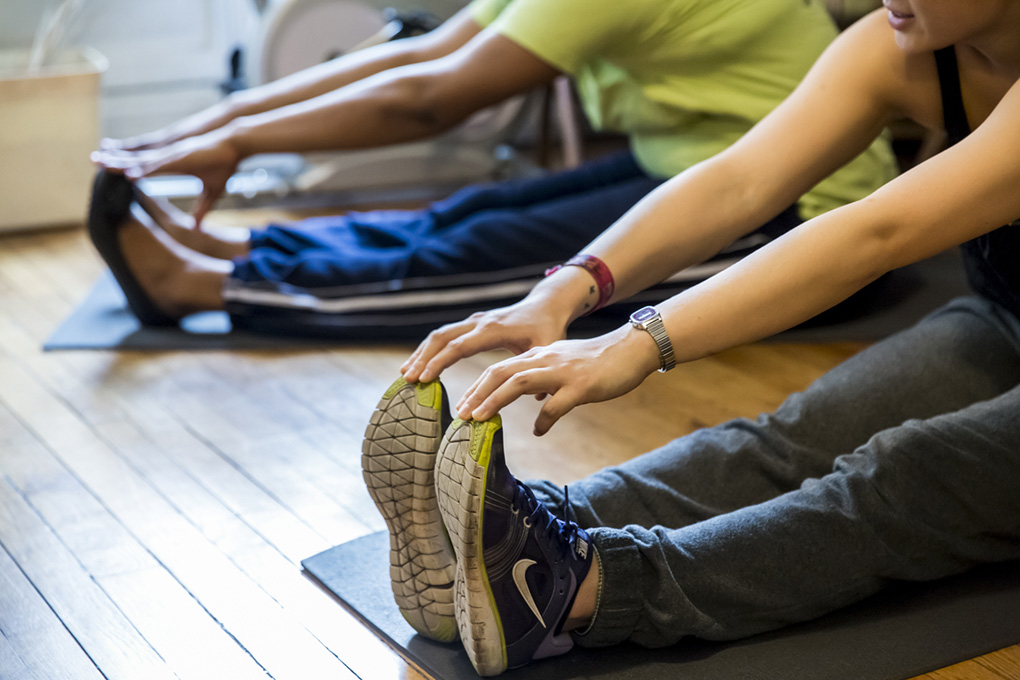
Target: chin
{"points": [[912, 44]]}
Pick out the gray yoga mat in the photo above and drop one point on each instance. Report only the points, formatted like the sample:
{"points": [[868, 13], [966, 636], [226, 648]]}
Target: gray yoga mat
{"points": [[903, 632], [102, 320]]}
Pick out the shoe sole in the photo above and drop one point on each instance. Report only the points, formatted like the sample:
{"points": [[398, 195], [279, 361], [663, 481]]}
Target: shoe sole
{"points": [[461, 474], [397, 463]]}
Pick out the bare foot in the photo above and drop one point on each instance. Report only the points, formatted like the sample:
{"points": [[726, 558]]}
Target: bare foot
{"points": [[221, 243], [179, 281]]}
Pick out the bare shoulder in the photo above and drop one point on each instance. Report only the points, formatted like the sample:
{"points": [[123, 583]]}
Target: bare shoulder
{"points": [[1003, 113], [905, 85]]}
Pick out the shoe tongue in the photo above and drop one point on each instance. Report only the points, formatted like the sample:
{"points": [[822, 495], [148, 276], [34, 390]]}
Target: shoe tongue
{"points": [[580, 544]]}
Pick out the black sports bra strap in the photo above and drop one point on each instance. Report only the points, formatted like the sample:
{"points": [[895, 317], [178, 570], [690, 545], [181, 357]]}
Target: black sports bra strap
{"points": [[990, 259], [954, 115]]}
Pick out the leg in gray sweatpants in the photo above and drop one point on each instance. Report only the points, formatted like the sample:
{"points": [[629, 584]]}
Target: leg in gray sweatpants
{"points": [[903, 463]]}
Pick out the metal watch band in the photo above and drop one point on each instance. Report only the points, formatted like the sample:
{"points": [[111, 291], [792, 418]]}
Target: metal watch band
{"points": [[648, 319]]}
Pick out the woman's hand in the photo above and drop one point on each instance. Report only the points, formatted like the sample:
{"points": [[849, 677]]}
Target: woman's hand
{"points": [[570, 372], [204, 121], [211, 157], [532, 322]]}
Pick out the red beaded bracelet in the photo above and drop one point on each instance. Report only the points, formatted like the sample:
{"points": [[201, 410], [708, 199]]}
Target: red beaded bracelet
{"points": [[599, 271]]}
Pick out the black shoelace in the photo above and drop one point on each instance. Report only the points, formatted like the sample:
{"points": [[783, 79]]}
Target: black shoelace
{"points": [[563, 530]]}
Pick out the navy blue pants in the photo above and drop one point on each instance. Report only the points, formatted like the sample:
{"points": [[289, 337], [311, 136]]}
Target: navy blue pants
{"points": [[374, 273]]}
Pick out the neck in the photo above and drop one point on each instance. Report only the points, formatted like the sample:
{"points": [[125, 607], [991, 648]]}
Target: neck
{"points": [[996, 50]]}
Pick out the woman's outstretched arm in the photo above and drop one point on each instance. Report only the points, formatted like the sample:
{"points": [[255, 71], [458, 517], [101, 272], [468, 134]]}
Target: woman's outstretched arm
{"points": [[953, 197], [831, 117]]}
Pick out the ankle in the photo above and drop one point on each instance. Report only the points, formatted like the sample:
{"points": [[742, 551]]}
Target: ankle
{"points": [[178, 286], [585, 604], [193, 288]]}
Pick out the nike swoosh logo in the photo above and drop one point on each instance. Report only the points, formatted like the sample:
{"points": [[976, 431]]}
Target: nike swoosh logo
{"points": [[520, 569]]}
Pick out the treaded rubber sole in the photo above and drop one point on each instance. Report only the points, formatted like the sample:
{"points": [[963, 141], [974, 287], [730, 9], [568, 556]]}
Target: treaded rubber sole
{"points": [[397, 463], [461, 473]]}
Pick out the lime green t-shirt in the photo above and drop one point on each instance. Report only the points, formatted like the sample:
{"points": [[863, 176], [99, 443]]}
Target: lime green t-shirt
{"points": [[685, 78]]}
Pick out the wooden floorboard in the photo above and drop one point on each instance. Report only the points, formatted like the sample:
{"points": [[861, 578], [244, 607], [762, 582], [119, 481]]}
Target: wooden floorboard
{"points": [[33, 639], [155, 506], [111, 640]]}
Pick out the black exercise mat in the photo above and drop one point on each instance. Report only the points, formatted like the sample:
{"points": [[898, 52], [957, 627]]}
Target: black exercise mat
{"points": [[102, 320], [905, 631]]}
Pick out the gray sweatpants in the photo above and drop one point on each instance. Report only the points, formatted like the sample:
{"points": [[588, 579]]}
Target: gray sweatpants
{"points": [[903, 463]]}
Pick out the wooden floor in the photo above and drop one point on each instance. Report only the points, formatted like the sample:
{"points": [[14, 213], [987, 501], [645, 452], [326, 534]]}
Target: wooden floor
{"points": [[154, 507]]}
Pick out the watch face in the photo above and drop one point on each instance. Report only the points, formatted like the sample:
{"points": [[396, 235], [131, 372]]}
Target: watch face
{"points": [[643, 314]]}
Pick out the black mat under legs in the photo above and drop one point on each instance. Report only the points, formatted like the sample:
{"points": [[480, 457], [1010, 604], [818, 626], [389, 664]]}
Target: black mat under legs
{"points": [[102, 320], [908, 630]]}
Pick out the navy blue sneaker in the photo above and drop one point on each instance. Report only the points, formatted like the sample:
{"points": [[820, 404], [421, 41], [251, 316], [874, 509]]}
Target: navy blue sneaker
{"points": [[518, 566], [397, 463]]}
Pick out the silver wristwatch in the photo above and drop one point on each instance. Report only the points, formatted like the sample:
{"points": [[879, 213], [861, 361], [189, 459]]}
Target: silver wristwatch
{"points": [[648, 319]]}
